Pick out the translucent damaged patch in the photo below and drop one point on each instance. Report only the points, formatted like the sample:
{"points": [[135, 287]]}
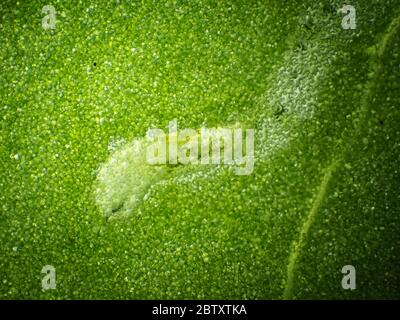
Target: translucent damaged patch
{"points": [[294, 87], [306, 65], [293, 94], [125, 178], [298, 81]]}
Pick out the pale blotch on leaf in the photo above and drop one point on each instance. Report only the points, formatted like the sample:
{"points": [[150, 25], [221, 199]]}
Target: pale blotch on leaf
{"points": [[125, 178]]}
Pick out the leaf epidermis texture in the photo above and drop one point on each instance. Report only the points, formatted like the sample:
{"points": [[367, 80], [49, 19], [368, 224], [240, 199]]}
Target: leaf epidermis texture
{"points": [[324, 102]]}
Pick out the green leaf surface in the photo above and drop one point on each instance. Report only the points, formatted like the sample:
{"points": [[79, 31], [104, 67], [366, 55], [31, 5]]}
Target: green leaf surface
{"points": [[77, 194]]}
